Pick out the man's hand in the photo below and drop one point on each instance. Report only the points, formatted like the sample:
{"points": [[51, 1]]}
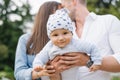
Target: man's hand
{"points": [[75, 58], [69, 60]]}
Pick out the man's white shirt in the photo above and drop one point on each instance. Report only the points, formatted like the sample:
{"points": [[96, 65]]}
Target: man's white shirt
{"points": [[104, 31]]}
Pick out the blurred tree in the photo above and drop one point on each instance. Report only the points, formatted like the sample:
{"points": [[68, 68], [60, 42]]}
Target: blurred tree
{"points": [[3, 52], [105, 7], [12, 21]]}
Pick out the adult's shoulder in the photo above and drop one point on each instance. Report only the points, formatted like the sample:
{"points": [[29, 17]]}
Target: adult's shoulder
{"points": [[109, 17], [24, 37], [109, 20]]}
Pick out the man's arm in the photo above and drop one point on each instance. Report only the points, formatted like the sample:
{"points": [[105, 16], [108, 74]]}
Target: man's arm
{"points": [[110, 64]]}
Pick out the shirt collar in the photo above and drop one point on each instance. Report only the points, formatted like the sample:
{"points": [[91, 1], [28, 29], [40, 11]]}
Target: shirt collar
{"points": [[91, 16]]}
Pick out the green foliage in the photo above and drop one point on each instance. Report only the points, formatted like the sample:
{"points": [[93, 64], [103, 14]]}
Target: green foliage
{"points": [[12, 23], [7, 73], [116, 78], [105, 7], [3, 51]]}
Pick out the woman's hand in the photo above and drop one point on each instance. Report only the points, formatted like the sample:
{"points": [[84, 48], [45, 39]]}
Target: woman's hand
{"points": [[69, 60]]}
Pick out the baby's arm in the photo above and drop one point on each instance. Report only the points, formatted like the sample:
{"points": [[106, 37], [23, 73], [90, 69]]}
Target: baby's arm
{"points": [[91, 50], [39, 62], [96, 58], [96, 55], [41, 59]]}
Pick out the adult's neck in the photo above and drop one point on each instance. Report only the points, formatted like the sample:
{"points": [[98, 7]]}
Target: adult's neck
{"points": [[81, 14]]}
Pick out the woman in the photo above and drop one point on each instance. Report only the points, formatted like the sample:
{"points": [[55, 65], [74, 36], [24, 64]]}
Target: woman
{"points": [[31, 43]]}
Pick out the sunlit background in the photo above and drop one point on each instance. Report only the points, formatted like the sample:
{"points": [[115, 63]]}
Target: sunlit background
{"points": [[17, 17], [35, 5]]}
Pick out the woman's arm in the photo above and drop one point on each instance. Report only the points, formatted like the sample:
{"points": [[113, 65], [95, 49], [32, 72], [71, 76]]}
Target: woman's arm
{"points": [[22, 70]]}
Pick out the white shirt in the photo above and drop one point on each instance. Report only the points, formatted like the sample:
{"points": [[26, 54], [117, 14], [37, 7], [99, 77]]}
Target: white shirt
{"points": [[104, 31]]}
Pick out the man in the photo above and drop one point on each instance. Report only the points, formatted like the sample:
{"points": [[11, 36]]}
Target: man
{"points": [[103, 30]]}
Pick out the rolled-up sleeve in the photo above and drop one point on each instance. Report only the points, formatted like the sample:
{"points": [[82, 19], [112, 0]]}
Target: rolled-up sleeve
{"points": [[114, 38], [22, 70]]}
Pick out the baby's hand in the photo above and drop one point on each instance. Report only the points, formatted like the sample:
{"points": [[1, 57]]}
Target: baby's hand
{"points": [[42, 71], [38, 68], [94, 68]]}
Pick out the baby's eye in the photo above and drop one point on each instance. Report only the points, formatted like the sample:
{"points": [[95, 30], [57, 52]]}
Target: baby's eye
{"points": [[55, 35], [65, 32]]}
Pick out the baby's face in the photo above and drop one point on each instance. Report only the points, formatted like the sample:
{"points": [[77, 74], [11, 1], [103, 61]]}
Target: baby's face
{"points": [[61, 37]]}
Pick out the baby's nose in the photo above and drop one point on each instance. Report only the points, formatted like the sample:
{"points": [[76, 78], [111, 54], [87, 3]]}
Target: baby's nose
{"points": [[61, 38]]}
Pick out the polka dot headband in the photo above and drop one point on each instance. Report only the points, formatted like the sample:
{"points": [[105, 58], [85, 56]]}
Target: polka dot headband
{"points": [[59, 20]]}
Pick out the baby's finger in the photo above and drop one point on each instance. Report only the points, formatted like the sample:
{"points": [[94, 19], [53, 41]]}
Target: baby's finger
{"points": [[40, 68]]}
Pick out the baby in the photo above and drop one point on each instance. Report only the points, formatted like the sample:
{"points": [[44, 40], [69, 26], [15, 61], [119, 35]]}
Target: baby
{"points": [[60, 32]]}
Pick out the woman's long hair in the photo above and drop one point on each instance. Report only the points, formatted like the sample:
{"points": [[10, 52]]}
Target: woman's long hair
{"points": [[39, 36]]}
